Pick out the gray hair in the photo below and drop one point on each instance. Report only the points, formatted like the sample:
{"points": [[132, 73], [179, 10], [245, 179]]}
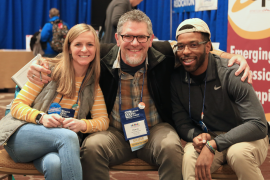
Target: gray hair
{"points": [[134, 16]]}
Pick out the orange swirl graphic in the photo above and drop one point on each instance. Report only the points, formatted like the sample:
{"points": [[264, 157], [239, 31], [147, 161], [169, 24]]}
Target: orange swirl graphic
{"points": [[239, 6]]}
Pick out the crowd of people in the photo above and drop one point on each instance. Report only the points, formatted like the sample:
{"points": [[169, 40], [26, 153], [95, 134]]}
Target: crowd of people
{"points": [[77, 120]]}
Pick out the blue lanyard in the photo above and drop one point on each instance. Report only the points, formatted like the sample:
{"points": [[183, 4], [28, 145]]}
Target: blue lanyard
{"points": [[200, 123], [78, 92], [120, 99], [202, 114]]}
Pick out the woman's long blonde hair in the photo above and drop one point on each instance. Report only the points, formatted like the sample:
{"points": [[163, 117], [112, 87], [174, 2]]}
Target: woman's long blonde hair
{"points": [[64, 72]]}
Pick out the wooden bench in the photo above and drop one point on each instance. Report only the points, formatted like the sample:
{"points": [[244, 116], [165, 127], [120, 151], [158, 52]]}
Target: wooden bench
{"points": [[224, 172], [9, 167]]}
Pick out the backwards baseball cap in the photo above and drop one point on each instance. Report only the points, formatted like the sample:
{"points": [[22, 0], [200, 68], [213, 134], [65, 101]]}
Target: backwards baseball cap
{"points": [[198, 26]]}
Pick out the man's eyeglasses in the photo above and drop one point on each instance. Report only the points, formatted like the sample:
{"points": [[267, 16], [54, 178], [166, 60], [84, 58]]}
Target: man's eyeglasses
{"points": [[130, 38], [191, 46]]}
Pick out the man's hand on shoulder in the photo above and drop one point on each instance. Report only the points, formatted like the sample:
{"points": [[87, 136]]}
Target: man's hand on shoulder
{"points": [[37, 73], [238, 59]]}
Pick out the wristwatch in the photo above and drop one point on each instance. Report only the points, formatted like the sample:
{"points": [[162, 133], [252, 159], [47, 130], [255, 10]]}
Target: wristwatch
{"points": [[39, 117]]}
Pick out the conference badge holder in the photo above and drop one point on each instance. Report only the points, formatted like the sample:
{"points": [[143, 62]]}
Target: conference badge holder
{"points": [[55, 108], [135, 127], [134, 123]]}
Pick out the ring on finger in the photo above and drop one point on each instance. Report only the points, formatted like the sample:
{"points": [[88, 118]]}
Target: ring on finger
{"points": [[33, 76]]}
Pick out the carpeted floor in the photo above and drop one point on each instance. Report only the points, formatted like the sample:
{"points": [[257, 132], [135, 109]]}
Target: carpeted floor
{"points": [[5, 99]]}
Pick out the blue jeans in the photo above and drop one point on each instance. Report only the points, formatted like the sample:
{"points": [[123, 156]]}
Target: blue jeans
{"points": [[55, 152]]}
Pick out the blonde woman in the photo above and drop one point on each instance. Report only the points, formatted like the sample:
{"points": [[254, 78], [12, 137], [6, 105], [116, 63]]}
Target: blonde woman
{"points": [[47, 118]]}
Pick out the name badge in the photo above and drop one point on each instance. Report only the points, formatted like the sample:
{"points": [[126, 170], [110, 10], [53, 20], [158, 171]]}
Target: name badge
{"points": [[134, 123], [67, 113]]}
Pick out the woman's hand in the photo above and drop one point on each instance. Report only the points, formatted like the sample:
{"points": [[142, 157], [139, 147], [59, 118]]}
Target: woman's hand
{"points": [[74, 124], [51, 120]]}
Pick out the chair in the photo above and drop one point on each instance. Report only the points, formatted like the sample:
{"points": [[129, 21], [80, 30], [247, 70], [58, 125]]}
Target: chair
{"points": [[9, 167], [224, 172]]}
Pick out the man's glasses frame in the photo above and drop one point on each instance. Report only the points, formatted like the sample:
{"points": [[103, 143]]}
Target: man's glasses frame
{"points": [[191, 46], [140, 38]]}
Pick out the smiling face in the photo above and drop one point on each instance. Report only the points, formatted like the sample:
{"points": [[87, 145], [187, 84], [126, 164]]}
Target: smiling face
{"points": [[134, 53], [194, 61], [83, 51]]}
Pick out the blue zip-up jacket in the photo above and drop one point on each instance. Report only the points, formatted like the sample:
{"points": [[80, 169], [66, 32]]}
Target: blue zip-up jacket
{"points": [[46, 36]]}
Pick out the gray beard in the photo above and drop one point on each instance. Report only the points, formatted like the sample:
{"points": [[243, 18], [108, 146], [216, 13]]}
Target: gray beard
{"points": [[135, 60]]}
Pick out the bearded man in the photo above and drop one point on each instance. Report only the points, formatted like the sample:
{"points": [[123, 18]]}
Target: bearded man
{"points": [[218, 115]]}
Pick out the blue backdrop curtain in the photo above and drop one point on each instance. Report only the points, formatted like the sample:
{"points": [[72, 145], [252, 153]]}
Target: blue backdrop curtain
{"points": [[22, 17], [19, 18], [159, 13]]}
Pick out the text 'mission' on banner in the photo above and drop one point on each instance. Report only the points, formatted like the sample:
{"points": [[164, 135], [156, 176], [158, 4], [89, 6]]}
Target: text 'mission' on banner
{"points": [[249, 35]]}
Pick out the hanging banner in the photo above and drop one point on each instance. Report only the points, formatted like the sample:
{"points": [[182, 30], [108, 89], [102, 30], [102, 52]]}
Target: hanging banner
{"points": [[183, 5], [249, 35], [204, 5]]}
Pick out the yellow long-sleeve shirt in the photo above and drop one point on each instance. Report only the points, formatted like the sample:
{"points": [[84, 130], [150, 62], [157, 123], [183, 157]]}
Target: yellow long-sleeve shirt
{"points": [[21, 106]]}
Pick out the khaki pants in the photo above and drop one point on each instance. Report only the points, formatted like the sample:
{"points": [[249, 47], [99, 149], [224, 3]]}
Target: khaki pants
{"points": [[103, 149], [244, 158]]}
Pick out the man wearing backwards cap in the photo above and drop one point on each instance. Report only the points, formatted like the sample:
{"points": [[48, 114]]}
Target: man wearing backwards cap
{"points": [[219, 116]]}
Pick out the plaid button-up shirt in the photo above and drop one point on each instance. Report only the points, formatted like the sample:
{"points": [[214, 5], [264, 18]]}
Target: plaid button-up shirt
{"points": [[131, 96]]}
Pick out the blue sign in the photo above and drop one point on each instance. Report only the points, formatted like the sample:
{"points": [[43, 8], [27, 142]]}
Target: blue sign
{"points": [[183, 5]]}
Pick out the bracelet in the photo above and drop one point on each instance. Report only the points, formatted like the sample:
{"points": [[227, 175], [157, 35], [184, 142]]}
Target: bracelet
{"points": [[211, 150], [208, 145]]}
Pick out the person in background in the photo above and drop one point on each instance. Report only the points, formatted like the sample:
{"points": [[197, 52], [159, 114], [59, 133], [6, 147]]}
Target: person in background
{"points": [[219, 116], [47, 33], [46, 119], [114, 11]]}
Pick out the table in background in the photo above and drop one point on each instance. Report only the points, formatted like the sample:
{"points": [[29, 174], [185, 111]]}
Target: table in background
{"points": [[10, 62]]}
